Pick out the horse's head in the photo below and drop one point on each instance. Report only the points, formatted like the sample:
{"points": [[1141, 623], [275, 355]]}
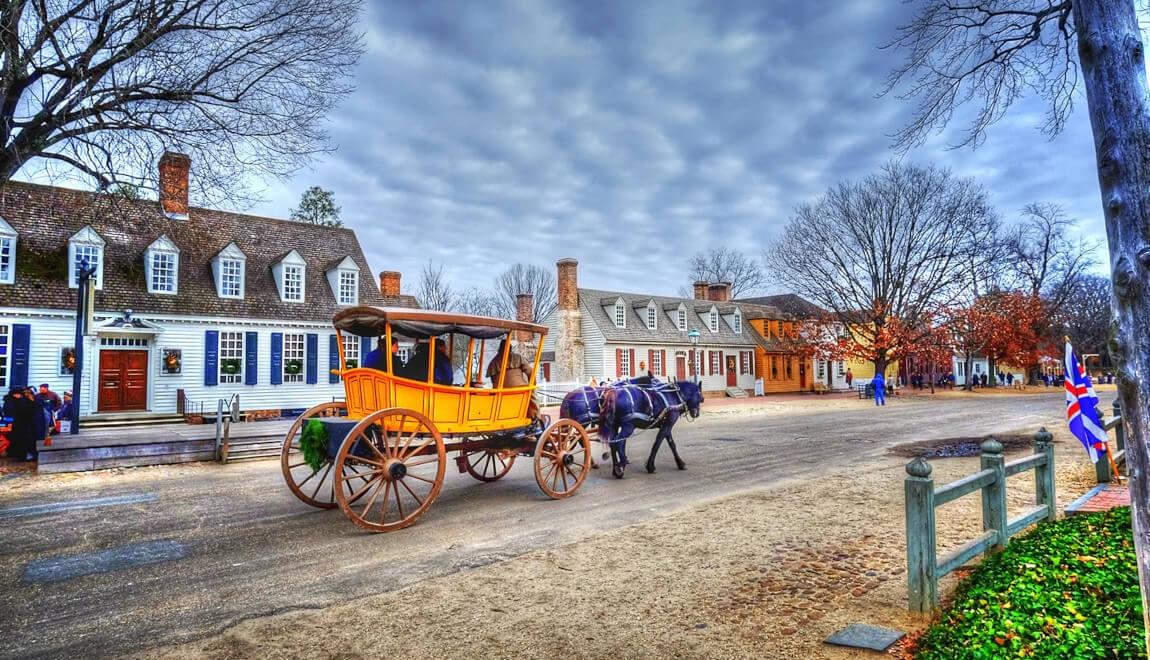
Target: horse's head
{"points": [[692, 396]]}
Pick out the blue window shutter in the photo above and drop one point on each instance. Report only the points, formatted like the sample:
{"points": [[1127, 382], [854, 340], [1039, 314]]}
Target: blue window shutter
{"points": [[333, 360], [21, 342], [312, 359], [251, 343], [211, 357], [364, 349], [277, 375]]}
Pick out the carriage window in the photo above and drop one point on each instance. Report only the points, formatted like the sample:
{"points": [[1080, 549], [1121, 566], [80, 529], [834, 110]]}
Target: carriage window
{"points": [[231, 358], [682, 320], [351, 351], [620, 316], [651, 318], [714, 321], [293, 357]]}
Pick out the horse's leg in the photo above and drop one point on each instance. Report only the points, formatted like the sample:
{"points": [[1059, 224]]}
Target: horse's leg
{"points": [[671, 442], [616, 468], [655, 449]]}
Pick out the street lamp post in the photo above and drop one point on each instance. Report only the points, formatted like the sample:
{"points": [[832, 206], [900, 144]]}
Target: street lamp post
{"points": [[693, 335], [84, 274]]}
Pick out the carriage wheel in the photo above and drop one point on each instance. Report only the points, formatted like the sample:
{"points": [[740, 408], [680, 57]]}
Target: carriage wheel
{"points": [[313, 487], [562, 458], [489, 464], [389, 469]]}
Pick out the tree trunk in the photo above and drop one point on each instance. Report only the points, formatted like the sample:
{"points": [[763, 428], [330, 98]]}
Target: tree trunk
{"points": [[968, 369], [1110, 53]]}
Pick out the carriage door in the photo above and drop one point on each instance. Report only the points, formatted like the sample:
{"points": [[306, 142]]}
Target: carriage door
{"points": [[681, 367], [732, 372]]}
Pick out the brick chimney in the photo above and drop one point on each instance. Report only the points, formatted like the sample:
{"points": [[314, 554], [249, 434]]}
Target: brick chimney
{"points": [[567, 325], [389, 283], [700, 288], [524, 311], [174, 169], [719, 292]]}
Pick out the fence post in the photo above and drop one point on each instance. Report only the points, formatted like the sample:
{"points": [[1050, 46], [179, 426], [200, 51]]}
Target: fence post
{"points": [[1102, 467], [921, 562], [1044, 474], [994, 495], [1119, 429]]}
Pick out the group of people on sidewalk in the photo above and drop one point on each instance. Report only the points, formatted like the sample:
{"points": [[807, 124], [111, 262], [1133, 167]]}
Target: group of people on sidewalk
{"points": [[31, 417]]}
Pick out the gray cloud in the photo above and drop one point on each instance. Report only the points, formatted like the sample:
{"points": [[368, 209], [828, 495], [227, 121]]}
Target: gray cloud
{"points": [[631, 134]]}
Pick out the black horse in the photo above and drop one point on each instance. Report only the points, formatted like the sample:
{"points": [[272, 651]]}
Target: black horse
{"points": [[625, 407]]}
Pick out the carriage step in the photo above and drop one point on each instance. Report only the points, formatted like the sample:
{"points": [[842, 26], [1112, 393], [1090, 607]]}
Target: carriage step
{"points": [[736, 393]]}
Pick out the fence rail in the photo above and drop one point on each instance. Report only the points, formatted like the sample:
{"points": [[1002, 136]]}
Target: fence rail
{"points": [[924, 566], [1102, 468]]}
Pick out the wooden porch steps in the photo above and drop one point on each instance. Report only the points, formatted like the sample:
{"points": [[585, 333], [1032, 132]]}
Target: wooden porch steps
{"points": [[124, 420]]}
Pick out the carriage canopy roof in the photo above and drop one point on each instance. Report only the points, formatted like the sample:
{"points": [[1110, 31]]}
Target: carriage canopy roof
{"points": [[421, 323]]}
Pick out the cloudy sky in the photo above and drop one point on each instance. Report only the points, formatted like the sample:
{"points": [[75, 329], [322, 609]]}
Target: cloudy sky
{"points": [[631, 134]]}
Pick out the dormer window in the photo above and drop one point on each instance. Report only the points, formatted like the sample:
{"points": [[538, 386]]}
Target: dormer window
{"points": [[7, 253], [344, 281], [86, 244], [228, 268], [620, 315], [652, 317], [163, 261], [681, 319], [289, 276], [713, 320], [737, 322]]}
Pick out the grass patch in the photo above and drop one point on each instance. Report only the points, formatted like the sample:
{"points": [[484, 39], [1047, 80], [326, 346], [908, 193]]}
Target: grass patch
{"points": [[1067, 589]]}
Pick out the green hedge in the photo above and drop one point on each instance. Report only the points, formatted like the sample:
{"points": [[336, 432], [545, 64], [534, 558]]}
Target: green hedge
{"points": [[1068, 589]]}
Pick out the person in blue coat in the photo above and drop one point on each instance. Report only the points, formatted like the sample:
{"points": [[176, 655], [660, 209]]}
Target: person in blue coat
{"points": [[879, 385]]}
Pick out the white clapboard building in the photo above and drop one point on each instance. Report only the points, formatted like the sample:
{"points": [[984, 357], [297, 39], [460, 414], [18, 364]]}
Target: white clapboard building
{"points": [[191, 305]]}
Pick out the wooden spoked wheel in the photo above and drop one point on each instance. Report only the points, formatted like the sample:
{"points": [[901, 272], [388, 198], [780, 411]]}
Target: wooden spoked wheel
{"points": [[489, 464], [562, 458], [313, 487], [389, 469]]}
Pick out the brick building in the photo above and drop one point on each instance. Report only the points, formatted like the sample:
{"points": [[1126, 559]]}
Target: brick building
{"points": [[189, 300]]}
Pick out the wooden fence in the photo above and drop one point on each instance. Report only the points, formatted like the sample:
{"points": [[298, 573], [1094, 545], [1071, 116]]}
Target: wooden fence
{"points": [[1102, 467], [924, 567]]}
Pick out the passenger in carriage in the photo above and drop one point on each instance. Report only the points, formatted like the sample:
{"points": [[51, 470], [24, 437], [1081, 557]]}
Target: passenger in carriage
{"points": [[518, 374], [377, 357], [420, 363]]}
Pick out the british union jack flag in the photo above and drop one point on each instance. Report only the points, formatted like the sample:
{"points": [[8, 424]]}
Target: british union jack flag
{"points": [[1082, 407]]}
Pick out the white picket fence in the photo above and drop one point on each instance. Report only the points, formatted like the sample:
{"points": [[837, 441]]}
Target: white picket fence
{"points": [[551, 394]]}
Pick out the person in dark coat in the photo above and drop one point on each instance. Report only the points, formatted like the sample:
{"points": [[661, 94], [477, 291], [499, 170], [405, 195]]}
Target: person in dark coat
{"points": [[41, 425], [25, 415]]}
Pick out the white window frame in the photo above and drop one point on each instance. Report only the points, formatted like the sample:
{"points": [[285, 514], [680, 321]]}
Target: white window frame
{"points": [[8, 239], [5, 353], [86, 240], [232, 347], [348, 287], [656, 363], [229, 259], [625, 364], [162, 247], [351, 350], [293, 283], [294, 348], [620, 315], [681, 319], [716, 362], [713, 320], [738, 323], [652, 317], [822, 369]]}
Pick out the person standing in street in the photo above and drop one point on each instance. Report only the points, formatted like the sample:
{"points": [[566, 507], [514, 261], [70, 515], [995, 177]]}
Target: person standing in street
{"points": [[850, 376], [879, 385], [24, 413]]}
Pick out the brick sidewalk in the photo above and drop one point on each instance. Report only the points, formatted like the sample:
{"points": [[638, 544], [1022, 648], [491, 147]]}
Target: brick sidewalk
{"points": [[1101, 498]]}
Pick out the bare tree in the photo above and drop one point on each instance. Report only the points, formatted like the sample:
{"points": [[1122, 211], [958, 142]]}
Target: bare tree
{"points": [[103, 87], [432, 290], [990, 52], [478, 301], [1043, 260], [1087, 322], [317, 207], [885, 254], [526, 278], [726, 265]]}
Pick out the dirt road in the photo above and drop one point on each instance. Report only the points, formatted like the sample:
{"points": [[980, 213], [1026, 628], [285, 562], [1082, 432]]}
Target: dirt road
{"points": [[186, 552]]}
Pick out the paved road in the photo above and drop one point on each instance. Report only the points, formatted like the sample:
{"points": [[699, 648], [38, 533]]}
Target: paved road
{"points": [[239, 545]]}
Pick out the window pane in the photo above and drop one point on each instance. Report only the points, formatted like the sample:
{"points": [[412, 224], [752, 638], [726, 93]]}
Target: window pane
{"points": [[231, 357], [348, 288], [164, 272], [6, 260], [293, 283], [3, 356], [293, 358], [231, 278], [93, 254]]}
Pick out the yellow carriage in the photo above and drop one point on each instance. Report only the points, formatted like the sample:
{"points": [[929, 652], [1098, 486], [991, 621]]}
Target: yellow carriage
{"points": [[385, 455]]}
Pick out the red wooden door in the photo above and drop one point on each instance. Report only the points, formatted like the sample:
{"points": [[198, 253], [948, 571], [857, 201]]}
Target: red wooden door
{"points": [[732, 374], [681, 367], [123, 381]]}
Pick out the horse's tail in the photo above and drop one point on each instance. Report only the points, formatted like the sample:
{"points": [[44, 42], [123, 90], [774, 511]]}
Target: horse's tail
{"points": [[607, 414]]}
